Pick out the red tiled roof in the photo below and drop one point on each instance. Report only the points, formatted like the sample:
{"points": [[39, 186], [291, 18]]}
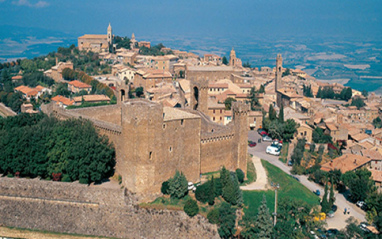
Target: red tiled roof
{"points": [[79, 84], [63, 100]]}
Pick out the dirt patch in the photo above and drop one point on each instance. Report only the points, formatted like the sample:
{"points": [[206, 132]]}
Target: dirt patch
{"points": [[23, 233]]}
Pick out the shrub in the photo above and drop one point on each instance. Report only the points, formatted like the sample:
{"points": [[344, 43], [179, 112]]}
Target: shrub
{"points": [[218, 187], [297, 169], [191, 208], [240, 175], [202, 192], [321, 149], [213, 216], [178, 185], [164, 189], [66, 178], [312, 147]]}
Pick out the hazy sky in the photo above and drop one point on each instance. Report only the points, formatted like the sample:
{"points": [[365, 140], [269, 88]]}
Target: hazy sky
{"points": [[150, 18]]}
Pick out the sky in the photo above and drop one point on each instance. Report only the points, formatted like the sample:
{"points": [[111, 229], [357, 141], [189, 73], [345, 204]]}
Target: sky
{"points": [[209, 18]]}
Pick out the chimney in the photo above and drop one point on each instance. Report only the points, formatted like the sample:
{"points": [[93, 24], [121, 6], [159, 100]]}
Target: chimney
{"points": [[355, 161]]}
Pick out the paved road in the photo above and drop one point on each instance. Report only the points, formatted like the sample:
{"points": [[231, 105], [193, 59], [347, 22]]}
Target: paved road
{"points": [[261, 182], [338, 221]]}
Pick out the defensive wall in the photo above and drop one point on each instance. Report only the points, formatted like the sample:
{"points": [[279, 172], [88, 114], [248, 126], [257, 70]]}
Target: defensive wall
{"points": [[153, 141], [91, 210]]}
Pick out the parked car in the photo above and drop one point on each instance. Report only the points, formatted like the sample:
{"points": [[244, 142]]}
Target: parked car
{"points": [[334, 208], [295, 178], [260, 130], [331, 232], [272, 150], [330, 214], [363, 226], [267, 138], [360, 203], [191, 186], [263, 133], [290, 163], [251, 144], [317, 192], [278, 142]]}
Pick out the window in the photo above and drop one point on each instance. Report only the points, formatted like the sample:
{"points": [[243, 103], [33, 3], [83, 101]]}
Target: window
{"points": [[150, 155], [220, 118], [221, 111], [170, 149], [181, 121], [214, 111], [213, 118], [305, 133], [164, 126]]}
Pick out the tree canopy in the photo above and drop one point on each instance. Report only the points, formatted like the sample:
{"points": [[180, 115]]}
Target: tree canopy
{"points": [[37, 145]]}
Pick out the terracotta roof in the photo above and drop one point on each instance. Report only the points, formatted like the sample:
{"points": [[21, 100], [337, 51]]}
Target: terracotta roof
{"points": [[17, 77], [63, 100], [376, 175], [331, 127], [372, 154], [360, 136], [217, 85], [366, 145], [346, 162], [79, 84], [93, 36], [91, 98]]}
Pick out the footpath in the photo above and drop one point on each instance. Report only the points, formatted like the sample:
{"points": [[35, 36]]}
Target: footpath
{"points": [[261, 177]]}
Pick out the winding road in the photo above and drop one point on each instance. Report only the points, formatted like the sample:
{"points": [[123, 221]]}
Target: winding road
{"points": [[338, 221]]}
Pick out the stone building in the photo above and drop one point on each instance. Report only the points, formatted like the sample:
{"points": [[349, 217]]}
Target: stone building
{"points": [[77, 86], [96, 43], [56, 71], [153, 141]]}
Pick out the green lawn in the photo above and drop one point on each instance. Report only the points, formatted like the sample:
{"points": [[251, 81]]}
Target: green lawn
{"points": [[289, 187]]}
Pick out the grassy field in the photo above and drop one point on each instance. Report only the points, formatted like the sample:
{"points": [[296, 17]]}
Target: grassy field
{"points": [[289, 187]]}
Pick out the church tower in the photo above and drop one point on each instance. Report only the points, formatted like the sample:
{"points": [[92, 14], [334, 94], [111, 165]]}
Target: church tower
{"points": [[109, 35], [232, 57], [133, 42], [279, 68]]}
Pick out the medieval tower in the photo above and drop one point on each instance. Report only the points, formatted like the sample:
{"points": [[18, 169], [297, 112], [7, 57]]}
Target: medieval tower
{"points": [[110, 37], [279, 68], [240, 113], [199, 97], [232, 58]]}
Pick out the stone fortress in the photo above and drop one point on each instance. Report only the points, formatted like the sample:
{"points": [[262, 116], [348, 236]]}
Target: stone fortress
{"points": [[153, 141]]}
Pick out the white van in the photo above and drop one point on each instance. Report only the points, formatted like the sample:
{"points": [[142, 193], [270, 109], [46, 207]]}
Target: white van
{"points": [[273, 150]]}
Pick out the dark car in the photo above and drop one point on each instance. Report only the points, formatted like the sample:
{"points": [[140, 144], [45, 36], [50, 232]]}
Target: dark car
{"points": [[317, 192], [331, 232], [263, 133], [334, 208], [251, 144], [290, 163], [296, 178], [260, 130]]}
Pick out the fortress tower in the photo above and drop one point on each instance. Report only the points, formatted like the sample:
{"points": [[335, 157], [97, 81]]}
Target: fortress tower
{"points": [[279, 68], [199, 95], [240, 111]]}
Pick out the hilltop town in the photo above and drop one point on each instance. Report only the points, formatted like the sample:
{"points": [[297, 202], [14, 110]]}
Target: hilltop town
{"points": [[168, 112]]}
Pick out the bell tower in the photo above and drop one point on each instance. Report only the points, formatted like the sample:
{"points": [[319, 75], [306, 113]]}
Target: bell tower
{"points": [[279, 68], [232, 57]]}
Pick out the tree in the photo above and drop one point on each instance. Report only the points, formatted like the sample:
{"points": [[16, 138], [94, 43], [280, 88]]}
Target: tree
{"points": [[272, 113], [307, 91], [289, 129], [365, 93], [321, 149], [247, 64], [231, 191], [262, 89], [325, 206], [191, 207], [312, 147], [332, 198], [165, 187], [264, 221], [211, 193], [227, 219], [202, 192], [240, 175], [254, 101], [213, 216], [377, 122], [358, 102], [286, 72], [281, 114], [178, 185], [224, 60], [319, 137], [139, 91], [228, 103], [359, 183]]}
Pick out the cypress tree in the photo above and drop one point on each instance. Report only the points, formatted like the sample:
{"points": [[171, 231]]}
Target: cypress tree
{"points": [[211, 193], [281, 114], [324, 203], [331, 194], [264, 221]]}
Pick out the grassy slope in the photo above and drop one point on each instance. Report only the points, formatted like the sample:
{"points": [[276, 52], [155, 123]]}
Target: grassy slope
{"points": [[289, 187]]}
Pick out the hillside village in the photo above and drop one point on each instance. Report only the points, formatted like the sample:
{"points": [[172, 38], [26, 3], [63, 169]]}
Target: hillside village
{"points": [[181, 111]]}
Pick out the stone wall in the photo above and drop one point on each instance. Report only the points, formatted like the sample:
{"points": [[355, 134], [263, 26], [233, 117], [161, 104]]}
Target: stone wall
{"points": [[91, 210], [6, 111]]}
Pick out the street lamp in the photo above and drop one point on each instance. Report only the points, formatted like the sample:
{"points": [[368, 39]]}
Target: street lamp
{"points": [[275, 186]]}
